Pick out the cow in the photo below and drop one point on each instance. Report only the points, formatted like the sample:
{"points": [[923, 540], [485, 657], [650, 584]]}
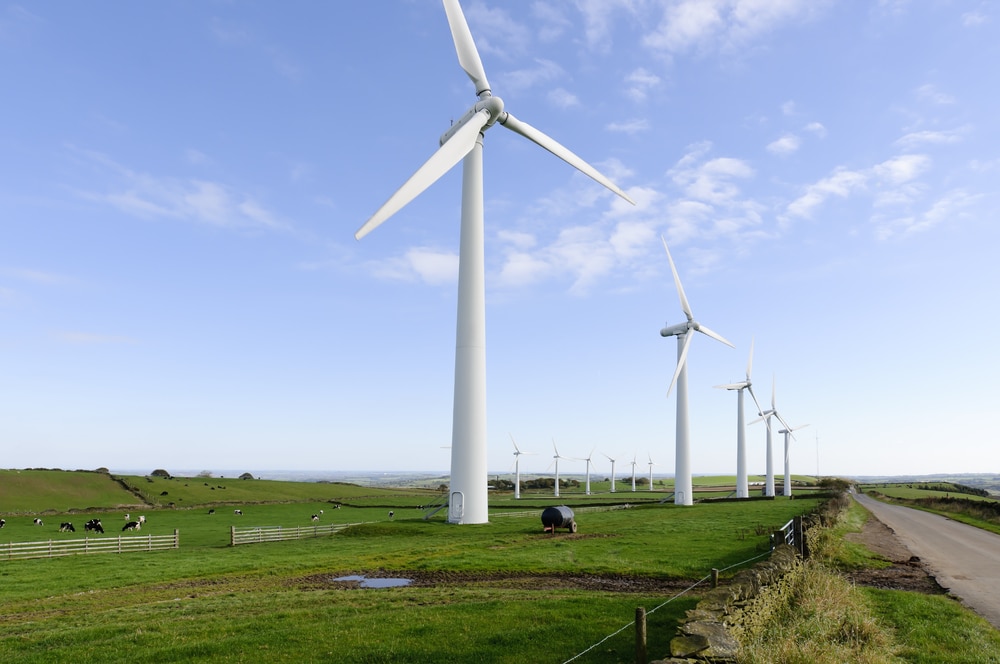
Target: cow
{"points": [[315, 517], [128, 517], [211, 511], [238, 512], [3, 522], [95, 525], [132, 525], [38, 522], [391, 514], [142, 519], [66, 527]]}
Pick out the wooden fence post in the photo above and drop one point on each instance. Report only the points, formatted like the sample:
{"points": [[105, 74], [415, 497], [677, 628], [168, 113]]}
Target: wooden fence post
{"points": [[715, 578], [640, 635], [232, 535]]}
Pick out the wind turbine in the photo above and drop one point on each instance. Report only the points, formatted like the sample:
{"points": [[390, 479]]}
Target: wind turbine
{"points": [[742, 483], [651, 464], [612, 473], [517, 468], [589, 462], [766, 418], [463, 141], [684, 333], [633, 473], [556, 458], [788, 473]]}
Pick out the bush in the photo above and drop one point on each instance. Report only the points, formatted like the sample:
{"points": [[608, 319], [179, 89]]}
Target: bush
{"points": [[159, 472]]}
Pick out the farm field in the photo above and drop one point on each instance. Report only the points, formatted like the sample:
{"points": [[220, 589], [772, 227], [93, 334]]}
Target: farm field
{"points": [[496, 592]]}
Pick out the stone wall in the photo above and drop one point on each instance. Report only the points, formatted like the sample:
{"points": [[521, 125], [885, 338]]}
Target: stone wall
{"points": [[737, 612]]}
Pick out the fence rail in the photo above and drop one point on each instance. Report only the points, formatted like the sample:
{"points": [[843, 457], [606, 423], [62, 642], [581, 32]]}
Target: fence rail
{"points": [[87, 545], [791, 534], [255, 534]]}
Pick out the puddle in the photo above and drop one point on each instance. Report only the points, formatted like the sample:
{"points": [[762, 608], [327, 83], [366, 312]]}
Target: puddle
{"points": [[365, 582]]}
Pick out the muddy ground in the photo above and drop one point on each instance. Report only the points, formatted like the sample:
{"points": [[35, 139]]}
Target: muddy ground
{"points": [[906, 573]]}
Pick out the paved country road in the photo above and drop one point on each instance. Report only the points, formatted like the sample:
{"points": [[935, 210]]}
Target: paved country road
{"points": [[964, 559]]}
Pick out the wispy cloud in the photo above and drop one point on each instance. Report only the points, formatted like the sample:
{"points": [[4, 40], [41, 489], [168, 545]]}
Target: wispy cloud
{"points": [[927, 137], [785, 145], [190, 199], [431, 266], [629, 126], [497, 33], [930, 93], [841, 183], [544, 72], [951, 207], [640, 82]]}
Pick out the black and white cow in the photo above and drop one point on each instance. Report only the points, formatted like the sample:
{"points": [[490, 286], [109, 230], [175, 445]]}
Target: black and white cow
{"points": [[95, 525], [315, 517], [3, 522], [211, 511], [38, 522], [238, 512], [66, 527], [132, 525]]}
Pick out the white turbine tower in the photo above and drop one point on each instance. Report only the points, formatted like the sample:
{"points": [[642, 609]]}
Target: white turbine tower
{"points": [[766, 418], [464, 141], [556, 458], [517, 468], [612, 473], [684, 333], [633, 473], [742, 483], [589, 462], [788, 473], [651, 464]]}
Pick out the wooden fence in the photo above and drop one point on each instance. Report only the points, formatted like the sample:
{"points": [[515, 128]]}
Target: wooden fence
{"points": [[256, 534], [114, 544]]}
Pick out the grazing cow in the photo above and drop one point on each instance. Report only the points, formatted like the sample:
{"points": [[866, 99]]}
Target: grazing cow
{"points": [[132, 525], [391, 514], [128, 517], [315, 517], [238, 512], [321, 511], [38, 522], [95, 525], [212, 511], [142, 519], [66, 527], [3, 522]]}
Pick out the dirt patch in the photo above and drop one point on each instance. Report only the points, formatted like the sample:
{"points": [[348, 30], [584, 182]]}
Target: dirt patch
{"points": [[906, 571], [608, 583]]}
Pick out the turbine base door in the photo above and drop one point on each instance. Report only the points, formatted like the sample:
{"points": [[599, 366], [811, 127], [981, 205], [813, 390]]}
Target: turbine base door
{"points": [[456, 507]]}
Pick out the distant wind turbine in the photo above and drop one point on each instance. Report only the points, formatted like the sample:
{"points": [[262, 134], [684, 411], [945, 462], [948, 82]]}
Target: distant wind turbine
{"points": [[468, 499], [612, 473], [766, 418], [742, 483], [589, 462], [651, 464], [788, 473], [517, 468], [684, 333], [556, 458], [633, 473]]}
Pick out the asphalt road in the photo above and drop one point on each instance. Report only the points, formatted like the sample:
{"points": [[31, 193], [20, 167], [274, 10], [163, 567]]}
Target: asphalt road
{"points": [[963, 559]]}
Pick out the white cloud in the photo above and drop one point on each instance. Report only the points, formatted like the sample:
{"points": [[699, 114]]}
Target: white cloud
{"points": [[641, 81], [711, 181], [816, 128], [787, 144], [518, 239], [629, 126], [841, 183], [544, 71], [903, 168], [562, 98], [496, 33], [930, 93], [148, 196], [926, 137], [788, 108], [420, 263], [949, 208], [974, 19]]}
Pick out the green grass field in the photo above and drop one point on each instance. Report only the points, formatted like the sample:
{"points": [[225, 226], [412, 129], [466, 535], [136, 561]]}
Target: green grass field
{"points": [[498, 592]]}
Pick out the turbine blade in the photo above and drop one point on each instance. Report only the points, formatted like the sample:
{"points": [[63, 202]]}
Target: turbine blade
{"points": [[760, 411], [783, 422], [449, 154], [750, 361], [680, 361], [715, 335], [559, 150], [516, 449], [733, 386], [677, 281], [465, 46]]}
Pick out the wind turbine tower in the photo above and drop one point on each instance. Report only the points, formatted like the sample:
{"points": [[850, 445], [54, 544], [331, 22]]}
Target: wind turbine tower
{"points": [[742, 483], [612, 473], [517, 469], [463, 141], [788, 473], [633, 474], [588, 470], [651, 464], [684, 333], [556, 458]]}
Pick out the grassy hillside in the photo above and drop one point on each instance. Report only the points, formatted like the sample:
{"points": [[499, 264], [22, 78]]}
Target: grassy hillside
{"points": [[47, 491]]}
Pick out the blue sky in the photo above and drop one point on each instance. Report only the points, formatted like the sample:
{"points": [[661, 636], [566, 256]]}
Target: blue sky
{"points": [[180, 183]]}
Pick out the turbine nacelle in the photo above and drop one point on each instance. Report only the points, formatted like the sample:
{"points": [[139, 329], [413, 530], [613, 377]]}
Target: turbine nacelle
{"points": [[678, 329], [492, 105]]}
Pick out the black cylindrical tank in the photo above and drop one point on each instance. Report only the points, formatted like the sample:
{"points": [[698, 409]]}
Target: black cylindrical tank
{"points": [[559, 516]]}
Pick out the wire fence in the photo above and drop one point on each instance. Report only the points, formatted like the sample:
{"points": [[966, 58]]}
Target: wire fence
{"points": [[664, 603]]}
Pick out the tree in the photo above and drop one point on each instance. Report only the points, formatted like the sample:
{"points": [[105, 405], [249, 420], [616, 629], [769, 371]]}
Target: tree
{"points": [[159, 472], [246, 476]]}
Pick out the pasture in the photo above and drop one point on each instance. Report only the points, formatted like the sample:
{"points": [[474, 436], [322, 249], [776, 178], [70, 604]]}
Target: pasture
{"points": [[497, 592]]}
